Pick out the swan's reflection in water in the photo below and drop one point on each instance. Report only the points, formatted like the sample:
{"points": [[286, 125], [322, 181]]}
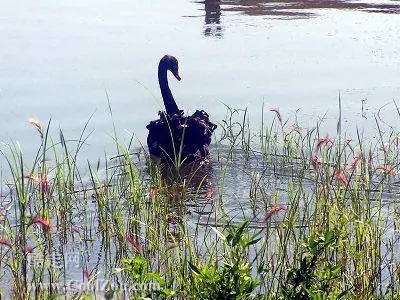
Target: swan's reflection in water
{"points": [[189, 191], [194, 177]]}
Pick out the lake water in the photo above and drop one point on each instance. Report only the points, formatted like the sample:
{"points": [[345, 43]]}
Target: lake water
{"points": [[58, 60]]}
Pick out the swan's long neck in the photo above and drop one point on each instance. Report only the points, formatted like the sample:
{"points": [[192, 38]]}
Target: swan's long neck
{"points": [[169, 102]]}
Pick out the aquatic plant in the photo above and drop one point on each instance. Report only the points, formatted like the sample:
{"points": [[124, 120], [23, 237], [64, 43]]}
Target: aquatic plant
{"points": [[321, 215]]}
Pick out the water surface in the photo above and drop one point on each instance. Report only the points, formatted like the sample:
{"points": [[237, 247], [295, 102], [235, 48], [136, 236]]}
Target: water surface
{"points": [[58, 60]]}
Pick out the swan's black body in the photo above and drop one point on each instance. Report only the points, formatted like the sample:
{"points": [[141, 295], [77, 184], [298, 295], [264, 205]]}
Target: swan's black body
{"points": [[175, 136]]}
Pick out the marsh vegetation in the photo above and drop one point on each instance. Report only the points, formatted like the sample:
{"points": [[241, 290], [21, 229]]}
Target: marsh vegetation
{"points": [[279, 212]]}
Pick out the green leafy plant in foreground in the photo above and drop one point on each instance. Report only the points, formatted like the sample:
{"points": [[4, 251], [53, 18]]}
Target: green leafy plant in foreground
{"points": [[315, 278], [232, 279], [144, 284]]}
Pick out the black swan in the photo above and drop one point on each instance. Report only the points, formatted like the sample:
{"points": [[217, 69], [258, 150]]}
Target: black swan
{"points": [[175, 137]]}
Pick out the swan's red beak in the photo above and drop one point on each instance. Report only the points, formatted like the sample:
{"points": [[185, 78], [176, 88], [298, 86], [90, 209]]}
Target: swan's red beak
{"points": [[176, 74]]}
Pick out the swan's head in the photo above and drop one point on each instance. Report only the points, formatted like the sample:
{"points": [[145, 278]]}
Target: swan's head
{"points": [[171, 63]]}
